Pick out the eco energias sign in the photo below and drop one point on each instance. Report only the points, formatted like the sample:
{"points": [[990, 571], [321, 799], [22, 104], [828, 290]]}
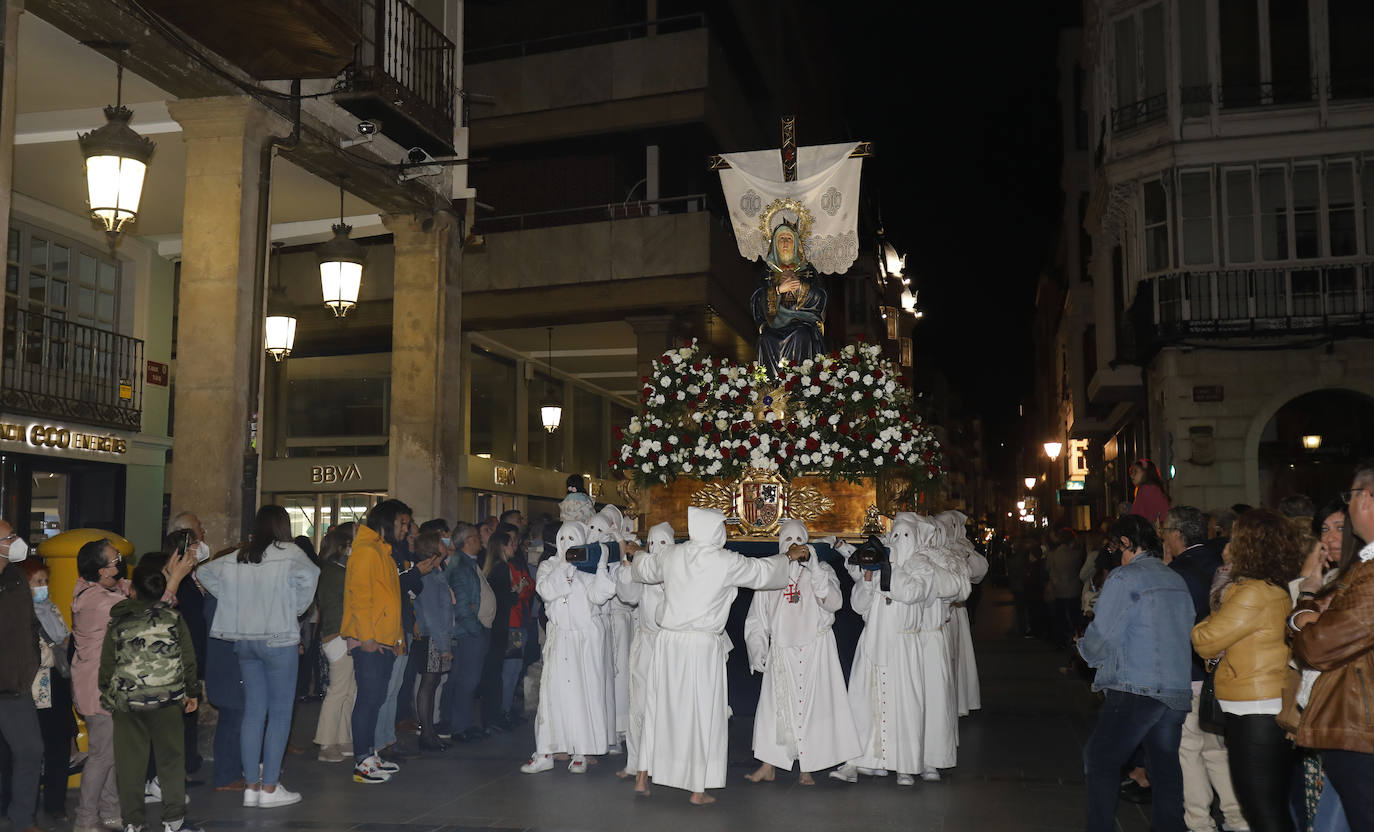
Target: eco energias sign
{"points": [[49, 436]]}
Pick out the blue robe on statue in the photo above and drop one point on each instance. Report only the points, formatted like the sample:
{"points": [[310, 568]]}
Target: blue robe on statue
{"points": [[791, 324]]}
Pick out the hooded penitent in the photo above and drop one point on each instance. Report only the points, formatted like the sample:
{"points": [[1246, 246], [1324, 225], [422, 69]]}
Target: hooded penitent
{"points": [[570, 535], [660, 537]]}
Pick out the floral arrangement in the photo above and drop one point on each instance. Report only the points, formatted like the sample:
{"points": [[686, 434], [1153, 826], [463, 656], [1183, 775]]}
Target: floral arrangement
{"points": [[842, 416]]}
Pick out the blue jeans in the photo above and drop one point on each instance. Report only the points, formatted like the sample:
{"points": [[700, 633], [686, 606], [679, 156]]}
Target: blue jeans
{"points": [[1125, 721], [1330, 814], [269, 695], [1351, 772], [228, 752], [469, 655], [385, 730], [510, 674], [371, 673]]}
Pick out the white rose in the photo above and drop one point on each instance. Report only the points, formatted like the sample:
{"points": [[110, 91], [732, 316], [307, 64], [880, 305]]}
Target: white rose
{"points": [[646, 467], [770, 416], [834, 419], [877, 460], [634, 426], [857, 395], [659, 399], [721, 424], [662, 460], [664, 381], [681, 396], [868, 379], [672, 440]]}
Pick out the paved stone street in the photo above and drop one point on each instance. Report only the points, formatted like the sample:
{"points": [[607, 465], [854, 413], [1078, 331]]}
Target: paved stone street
{"points": [[1019, 769]]}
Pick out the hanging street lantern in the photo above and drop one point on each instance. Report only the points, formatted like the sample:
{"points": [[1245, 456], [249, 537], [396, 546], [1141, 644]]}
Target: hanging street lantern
{"points": [[1030, 483], [1052, 450], [279, 335], [341, 266], [1312, 441], [116, 163], [551, 412]]}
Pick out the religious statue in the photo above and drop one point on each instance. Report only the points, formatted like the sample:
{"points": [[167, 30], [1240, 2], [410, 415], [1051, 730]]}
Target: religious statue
{"points": [[789, 304]]}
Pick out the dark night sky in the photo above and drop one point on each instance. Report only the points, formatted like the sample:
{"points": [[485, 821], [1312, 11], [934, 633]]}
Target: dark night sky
{"points": [[964, 110]]}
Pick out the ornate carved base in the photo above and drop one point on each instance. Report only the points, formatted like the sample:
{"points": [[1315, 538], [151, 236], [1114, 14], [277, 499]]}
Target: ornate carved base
{"points": [[759, 501]]}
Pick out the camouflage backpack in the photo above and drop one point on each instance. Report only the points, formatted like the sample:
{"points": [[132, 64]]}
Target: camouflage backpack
{"points": [[147, 663]]}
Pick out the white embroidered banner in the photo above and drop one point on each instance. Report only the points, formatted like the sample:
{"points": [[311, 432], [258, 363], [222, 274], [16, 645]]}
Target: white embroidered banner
{"points": [[827, 190]]}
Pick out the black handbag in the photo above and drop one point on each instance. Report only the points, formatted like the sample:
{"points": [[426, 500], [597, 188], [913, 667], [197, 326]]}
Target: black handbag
{"points": [[1210, 716]]}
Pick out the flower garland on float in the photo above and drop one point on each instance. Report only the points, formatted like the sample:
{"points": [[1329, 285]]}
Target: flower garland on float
{"points": [[842, 416]]}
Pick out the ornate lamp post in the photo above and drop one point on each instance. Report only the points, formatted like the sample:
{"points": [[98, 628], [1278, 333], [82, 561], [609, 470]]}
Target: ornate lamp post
{"points": [[116, 162], [341, 266]]}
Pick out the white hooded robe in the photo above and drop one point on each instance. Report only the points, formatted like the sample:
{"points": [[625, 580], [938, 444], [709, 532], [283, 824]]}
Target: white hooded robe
{"points": [[572, 691], [616, 619], [803, 711], [685, 729], [960, 633], [646, 600]]}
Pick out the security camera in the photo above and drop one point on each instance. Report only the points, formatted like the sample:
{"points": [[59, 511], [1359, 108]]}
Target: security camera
{"points": [[367, 131], [415, 166], [367, 128], [418, 155]]}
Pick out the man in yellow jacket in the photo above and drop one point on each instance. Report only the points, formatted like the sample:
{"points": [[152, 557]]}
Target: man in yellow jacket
{"points": [[372, 627]]}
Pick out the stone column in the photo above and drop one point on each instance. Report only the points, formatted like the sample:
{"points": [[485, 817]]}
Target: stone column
{"points": [[426, 359], [220, 236], [8, 93], [654, 335]]}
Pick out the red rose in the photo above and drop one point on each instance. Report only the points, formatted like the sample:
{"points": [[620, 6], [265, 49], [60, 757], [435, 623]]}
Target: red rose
{"points": [[843, 428], [859, 338], [812, 444], [701, 397], [741, 452], [617, 433], [873, 413], [754, 440]]}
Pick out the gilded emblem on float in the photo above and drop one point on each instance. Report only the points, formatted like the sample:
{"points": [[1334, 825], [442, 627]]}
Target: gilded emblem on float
{"points": [[760, 501]]}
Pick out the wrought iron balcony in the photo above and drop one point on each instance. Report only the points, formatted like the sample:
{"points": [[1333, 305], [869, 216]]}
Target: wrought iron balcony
{"points": [[404, 75], [1140, 113], [63, 370], [1253, 303]]}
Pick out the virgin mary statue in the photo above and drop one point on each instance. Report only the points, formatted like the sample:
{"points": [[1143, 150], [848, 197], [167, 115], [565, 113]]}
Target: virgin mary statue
{"points": [[789, 304]]}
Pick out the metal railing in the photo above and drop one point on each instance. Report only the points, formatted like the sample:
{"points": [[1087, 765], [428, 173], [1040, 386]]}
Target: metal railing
{"points": [[409, 62], [590, 37], [63, 370], [1139, 113], [609, 212], [1261, 301], [1268, 93]]}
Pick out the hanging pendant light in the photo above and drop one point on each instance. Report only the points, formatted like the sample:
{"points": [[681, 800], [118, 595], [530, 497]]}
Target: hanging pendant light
{"points": [[116, 162], [279, 331], [280, 335], [551, 412], [341, 266]]}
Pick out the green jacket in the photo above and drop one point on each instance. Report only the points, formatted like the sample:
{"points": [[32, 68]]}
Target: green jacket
{"points": [[148, 660]]}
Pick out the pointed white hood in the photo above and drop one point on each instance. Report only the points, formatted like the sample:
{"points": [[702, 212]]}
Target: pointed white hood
{"points": [[790, 532], [660, 538], [570, 535], [706, 526]]}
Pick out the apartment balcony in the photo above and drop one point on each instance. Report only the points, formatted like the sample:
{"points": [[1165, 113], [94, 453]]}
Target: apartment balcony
{"points": [[630, 77], [57, 369], [596, 262], [1253, 304], [403, 75]]}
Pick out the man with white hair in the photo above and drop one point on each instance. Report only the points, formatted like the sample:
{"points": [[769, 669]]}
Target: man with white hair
{"points": [[189, 521], [646, 600], [571, 718], [803, 713], [685, 729]]}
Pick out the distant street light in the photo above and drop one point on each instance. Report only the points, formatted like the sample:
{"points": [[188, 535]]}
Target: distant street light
{"points": [[1312, 441], [1030, 483], [1052, 450]]}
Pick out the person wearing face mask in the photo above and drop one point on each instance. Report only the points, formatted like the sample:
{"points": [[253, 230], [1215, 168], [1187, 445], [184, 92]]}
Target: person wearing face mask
{"points": [[52, 691], [100, 585], [572, 690], [333, 734], [474, 612], [685, 728], [189, 522], [19, 664], [646, 599], [789, 641]]}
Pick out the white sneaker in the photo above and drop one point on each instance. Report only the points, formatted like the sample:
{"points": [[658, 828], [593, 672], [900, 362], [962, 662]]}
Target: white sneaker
{"points": [[281, 796], [384, 765], [366, 772], [578, 764], [930, 775], [847, 773], [873, 772], [251, 797], [906, 780], [537, 763]]}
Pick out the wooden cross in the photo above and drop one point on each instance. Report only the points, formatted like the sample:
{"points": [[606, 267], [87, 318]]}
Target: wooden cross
{"points": [[789, 151]]}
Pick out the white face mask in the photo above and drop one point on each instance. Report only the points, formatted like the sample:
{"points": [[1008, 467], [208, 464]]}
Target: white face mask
{"points": [[19, 550], [202, 551]]}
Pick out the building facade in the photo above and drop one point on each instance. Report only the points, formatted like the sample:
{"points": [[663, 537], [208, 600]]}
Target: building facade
{"points": [[1222, 325]]}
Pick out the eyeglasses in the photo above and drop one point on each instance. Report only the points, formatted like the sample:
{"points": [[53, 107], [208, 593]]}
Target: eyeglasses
{"points": [[1347, 495], [12, 536], [119, 559]]}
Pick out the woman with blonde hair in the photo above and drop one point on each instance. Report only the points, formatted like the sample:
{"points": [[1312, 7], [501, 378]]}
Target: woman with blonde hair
{"points": [[1246, 638]]}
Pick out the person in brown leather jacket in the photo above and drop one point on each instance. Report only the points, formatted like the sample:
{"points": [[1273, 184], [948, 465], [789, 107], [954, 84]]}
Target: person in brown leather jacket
{"points": [[1334, 633], [1247, 633]]}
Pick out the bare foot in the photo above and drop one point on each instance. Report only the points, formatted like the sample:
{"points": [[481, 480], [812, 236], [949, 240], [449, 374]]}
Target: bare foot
{"points": [[701, 799], [561, 757], [805, 779], [642, 783], [591, 761], [623, 774], [765, 773]]}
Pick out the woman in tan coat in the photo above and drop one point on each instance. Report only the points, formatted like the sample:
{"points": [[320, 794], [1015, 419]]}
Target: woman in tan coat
{"points": [[1246, 635]]}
